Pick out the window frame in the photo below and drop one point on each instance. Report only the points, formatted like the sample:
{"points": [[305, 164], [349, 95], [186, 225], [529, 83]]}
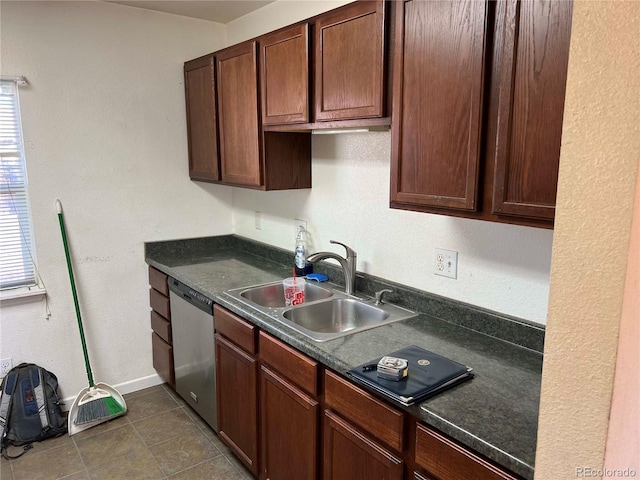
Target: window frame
{"points": [[16, 224]]}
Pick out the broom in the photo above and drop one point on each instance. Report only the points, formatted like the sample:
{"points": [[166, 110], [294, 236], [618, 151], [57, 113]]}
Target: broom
{"points": [[100, 402]]}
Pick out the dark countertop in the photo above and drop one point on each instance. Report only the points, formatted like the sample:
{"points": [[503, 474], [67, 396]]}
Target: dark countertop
{"points": [[495, 414]]}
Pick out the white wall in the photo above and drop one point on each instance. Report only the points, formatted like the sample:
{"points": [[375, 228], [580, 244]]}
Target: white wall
{"points": [[501, 267], [593, 243], [276, 15], [104, 128]]}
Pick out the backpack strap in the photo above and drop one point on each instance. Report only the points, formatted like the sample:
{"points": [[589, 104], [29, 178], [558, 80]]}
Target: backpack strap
{"points": [[8, 387], [38, 390]]}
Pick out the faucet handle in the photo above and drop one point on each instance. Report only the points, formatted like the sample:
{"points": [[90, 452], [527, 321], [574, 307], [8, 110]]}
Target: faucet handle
{"points": [[380, 294], [350, 251]]}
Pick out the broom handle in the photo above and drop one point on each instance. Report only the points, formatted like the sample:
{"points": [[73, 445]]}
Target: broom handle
{"points": [[75, 295]]}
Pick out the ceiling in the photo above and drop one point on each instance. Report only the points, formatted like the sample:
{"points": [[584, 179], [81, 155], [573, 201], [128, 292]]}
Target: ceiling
{"points": [[221, 11]]}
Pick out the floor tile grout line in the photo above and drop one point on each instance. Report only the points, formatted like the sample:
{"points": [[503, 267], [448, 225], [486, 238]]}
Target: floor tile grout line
{"points": [[84, 464], [164, 475]]}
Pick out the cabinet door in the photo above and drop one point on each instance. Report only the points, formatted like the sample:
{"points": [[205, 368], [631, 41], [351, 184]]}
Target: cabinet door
{"points": [[202, 131], [289, 430], [239, 124], [349, 62], [437, 102], [350, 455], [284, 66], [163, 359], [236, 391], [532, 52]]}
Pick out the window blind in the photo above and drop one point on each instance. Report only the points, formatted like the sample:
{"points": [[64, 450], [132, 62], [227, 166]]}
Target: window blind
{"points": [[16, 240]]}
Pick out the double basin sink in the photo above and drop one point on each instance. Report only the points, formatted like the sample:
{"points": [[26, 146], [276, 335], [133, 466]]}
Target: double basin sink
{"points": [[327, 312]]}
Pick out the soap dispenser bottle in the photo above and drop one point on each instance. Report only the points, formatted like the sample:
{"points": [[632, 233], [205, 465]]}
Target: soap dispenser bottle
{"points": [[301, 251]]}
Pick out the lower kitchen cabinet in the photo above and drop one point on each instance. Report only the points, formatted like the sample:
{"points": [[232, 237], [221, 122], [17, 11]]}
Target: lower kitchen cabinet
{"points": [[270, 398], [289, 430], [161, 337], [236, 390], [447, 460], [349, 454]]}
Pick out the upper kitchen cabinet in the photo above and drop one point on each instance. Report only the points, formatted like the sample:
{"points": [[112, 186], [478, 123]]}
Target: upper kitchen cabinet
{"points": [[238, 114], [249, 156], [478, 101], [349, 62], [437, 102], [202, 129], [284, 69], [531, 57]]}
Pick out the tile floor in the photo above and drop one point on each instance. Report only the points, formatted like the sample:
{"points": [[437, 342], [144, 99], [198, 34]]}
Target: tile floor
{"points": [[160, 437]]}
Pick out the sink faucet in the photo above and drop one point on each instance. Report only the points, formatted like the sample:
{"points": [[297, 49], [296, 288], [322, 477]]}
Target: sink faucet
{"points": [[348, 265]]}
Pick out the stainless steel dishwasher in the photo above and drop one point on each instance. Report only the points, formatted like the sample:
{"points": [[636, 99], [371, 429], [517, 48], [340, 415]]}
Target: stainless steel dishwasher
{"points": [[194, 357]]}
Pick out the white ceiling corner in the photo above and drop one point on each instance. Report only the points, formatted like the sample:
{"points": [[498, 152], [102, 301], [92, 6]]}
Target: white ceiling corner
{"points": [[221, 11]]}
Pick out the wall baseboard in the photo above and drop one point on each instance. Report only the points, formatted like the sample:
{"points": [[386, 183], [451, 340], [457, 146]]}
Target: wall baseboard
{"points": [[124, 388]]}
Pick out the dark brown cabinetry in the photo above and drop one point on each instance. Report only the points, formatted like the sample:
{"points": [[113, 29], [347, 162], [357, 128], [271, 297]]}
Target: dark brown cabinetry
{"points": [[448, 461], [349, 454], [532, 40], [290, 412], [439, 72], [202, 126], [478, 101], [289, 430], [286, 417], [161, 339], [239, 123], [349, 62], [354, 448], [249, 156], [284, 69], [236, 386]]}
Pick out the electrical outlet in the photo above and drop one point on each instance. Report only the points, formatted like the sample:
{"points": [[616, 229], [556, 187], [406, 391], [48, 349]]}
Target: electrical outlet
{"points": [[6, 364], [258, 220], [446, 263]]}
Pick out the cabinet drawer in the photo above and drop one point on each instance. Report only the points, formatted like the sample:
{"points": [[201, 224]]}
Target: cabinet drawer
{"points": [[163, 359], [158, 280], [449, 461], [382, 421], [161, 326], [296, 366], [235, 329], [159, 303]]}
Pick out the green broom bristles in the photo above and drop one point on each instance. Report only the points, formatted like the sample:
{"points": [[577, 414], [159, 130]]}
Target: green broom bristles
{"points": [[99, 409]]}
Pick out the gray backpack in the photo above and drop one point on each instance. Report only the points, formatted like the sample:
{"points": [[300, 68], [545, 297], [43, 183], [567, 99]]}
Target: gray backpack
{"points": [[29, 407]]}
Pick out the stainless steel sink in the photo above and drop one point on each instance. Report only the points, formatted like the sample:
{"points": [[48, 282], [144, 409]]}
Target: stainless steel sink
{"points": [[327, 312], [272, 295], [338, 315]]}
